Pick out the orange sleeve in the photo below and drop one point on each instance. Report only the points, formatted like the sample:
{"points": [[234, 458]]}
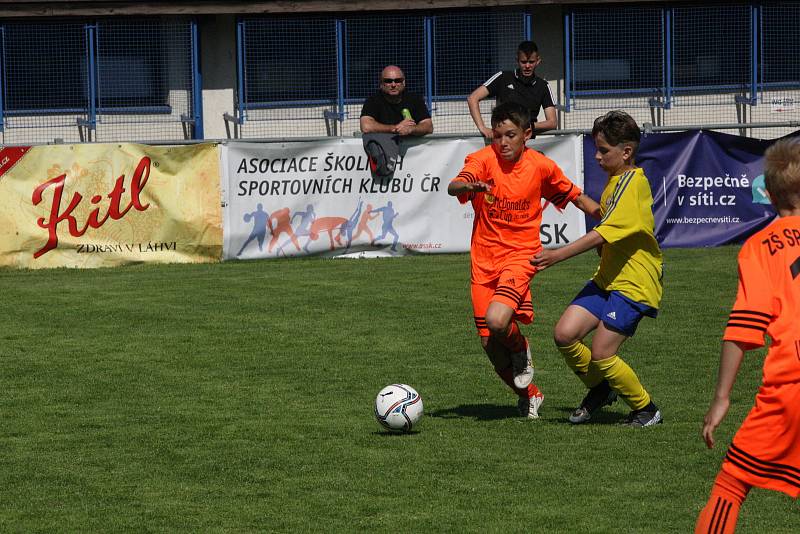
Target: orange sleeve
{"points": [[559, 189], [752, 312], [473, 171]]}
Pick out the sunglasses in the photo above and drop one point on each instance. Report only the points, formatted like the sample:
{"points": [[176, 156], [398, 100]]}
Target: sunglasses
{"points": [[387, 81]]}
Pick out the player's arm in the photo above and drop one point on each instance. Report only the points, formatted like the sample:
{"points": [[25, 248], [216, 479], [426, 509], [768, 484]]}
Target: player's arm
{"points": [[587, 205], [550, 121], [729, 362], [473, 102], [460, 187], [547, 258]]}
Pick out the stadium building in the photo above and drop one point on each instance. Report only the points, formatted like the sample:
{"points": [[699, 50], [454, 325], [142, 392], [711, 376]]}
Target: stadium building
{"points": [[166, 71]]}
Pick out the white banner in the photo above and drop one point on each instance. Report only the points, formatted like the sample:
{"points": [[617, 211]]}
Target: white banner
{"points": [[319, 197]]}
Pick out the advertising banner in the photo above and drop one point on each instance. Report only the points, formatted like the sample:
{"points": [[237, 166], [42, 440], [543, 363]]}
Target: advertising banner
{"points": [[708, 187], [100, 205], [320, 197]]}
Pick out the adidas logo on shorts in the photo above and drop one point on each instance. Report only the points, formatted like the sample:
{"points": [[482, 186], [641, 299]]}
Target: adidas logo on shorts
{"points": [[612, 315]]}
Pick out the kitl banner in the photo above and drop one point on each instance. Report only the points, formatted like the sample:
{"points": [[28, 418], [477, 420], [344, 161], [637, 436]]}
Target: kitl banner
{"points": [[294, 199], [708, 187], [99, 205]]}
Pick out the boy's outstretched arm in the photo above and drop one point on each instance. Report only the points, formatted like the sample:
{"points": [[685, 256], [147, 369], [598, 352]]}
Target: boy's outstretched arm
{"points": [[588, 206], [546, 258], [460, 187], [729, 362]]}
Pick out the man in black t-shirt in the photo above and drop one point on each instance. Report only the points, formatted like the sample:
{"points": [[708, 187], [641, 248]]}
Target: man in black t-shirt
{"points": [[394, 111], [521, 86]]}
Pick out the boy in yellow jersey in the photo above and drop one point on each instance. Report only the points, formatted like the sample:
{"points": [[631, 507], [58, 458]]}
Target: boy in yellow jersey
{"points": [[626, 286], [765, 451]]}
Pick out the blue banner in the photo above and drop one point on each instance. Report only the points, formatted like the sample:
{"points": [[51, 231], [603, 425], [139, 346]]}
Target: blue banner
{"points": [[708, 187]]}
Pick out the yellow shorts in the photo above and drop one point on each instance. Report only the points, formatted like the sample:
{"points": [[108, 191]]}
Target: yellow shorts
{"points": [[764, 452], [512, 288]]}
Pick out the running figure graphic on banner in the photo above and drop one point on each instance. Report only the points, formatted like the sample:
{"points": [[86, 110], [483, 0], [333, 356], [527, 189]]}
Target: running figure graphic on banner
{"points": [[260, 220], [389, 215]]}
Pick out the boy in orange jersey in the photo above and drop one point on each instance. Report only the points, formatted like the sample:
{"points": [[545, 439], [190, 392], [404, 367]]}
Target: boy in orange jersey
{"points": [[766, 449], [506, 182]]}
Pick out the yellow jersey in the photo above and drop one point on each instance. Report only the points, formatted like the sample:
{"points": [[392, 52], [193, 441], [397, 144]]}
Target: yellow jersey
{"points": [[631, 260]]}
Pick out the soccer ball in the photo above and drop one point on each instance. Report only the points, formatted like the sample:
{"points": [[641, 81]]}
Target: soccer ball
{"points": [[398, 408]]}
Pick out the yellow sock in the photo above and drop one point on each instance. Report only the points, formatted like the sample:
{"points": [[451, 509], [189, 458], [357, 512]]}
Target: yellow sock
{"points": [[623, 380], [578, 357]]}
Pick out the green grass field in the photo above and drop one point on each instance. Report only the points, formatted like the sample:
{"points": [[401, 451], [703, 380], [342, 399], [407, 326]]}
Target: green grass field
{"points": [[238, 397]]}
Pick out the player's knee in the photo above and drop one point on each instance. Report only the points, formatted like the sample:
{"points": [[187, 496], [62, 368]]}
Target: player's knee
{"points": [[497, 325], [563, 337]]}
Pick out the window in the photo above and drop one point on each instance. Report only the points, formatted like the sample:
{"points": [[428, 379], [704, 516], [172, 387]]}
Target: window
{"points": [[618, 49], [45, 67], [375, 41], [472, 46], [712, 47], [780, 43], [289, 59], [134, 66]]}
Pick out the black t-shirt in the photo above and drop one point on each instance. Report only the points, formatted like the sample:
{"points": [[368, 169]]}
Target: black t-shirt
{"points": [[533, 94], [386, 112]]}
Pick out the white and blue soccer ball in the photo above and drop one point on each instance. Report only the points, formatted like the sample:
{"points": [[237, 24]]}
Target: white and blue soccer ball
{"points": [[398, 408]]}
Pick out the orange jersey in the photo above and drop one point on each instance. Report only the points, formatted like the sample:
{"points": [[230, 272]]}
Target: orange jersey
{"points": [[768, 300], [507, 219]]}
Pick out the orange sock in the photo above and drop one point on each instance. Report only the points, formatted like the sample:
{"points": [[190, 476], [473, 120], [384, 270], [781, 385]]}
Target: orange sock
{"points": [[513, 340], [508, 377], [722, 509]]}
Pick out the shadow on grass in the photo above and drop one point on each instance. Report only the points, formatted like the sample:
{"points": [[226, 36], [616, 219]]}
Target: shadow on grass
{"points": [[390, 434], [480, 412], [605, 416]]}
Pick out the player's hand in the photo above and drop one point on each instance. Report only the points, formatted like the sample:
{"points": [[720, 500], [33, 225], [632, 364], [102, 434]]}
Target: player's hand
{"points": [[716, 413], [478, 187], [545, 259], [487, 133]]}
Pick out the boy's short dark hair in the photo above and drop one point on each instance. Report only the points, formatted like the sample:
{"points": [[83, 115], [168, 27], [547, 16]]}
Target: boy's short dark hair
{"points": [[511, 111], [527, 48], [782, 173], [618, 127]]}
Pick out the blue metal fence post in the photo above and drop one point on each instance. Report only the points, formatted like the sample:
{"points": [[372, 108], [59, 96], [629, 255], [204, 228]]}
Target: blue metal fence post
{"points": [[568, 16], [91, 69], [341, 31], [197, 83], [240, 53], [2, 78], [667, 58], [527, 22], [429, 61], [755, 17]]}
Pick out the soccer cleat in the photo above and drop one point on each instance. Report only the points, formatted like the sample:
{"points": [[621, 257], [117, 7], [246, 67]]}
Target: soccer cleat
{"points": [[521, 367], [597, 397], [529, 407], [650, 415]]}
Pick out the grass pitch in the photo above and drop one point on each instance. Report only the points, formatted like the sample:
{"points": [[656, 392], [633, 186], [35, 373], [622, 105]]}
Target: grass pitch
{"points": [[237, 397]]}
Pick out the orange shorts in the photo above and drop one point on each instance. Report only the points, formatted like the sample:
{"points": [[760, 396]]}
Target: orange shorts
{"points": [[765, 451], [512, 288]]}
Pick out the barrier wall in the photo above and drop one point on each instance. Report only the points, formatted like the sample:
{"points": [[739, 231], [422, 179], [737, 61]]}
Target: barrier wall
{"points": [[104, 205], [320, 198], [96, 205], [708, 187]]}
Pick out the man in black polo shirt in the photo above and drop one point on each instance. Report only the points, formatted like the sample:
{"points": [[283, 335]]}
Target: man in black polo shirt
{"points": [[521, 86], [393, 110], [387, 116]]}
